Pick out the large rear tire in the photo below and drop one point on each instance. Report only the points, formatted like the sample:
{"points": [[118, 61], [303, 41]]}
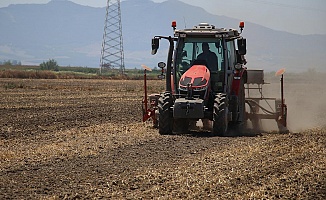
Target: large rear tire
{"points": [[242, 100], [165, 116], [220, 121], [238, 124]]}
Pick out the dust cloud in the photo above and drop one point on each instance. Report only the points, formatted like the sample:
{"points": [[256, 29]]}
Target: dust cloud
{"points": [[305, 96]]}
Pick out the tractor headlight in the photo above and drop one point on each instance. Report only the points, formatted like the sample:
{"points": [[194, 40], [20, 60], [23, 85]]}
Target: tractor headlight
{"points": [[238, 66], [183, 88], [200, 88], [161, 65]]}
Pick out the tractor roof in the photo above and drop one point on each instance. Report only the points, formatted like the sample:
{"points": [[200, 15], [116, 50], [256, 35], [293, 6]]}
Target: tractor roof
{"points": [[207, 30]]}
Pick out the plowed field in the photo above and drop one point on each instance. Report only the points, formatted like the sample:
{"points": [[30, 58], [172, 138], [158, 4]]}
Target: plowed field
{"points": [[84, 139]]}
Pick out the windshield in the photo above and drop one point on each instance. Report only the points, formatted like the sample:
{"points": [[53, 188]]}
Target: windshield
{"points": [[204, 51]]}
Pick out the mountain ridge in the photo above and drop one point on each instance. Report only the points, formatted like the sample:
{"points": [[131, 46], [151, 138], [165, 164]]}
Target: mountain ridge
{"points": [[72, 34]]}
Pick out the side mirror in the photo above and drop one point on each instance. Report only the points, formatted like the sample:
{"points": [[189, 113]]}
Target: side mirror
{"points": [[155, 45], [242, 46]]}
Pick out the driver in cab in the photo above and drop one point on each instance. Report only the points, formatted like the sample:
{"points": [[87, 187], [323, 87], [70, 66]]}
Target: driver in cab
{"points": [[209, 56]]}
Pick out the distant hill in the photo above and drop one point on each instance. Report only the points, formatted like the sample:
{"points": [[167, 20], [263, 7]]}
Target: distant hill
{"points": [[72, 35]]}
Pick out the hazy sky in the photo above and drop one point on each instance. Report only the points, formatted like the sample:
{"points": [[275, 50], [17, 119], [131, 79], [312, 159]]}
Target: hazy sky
{"points": [[295, 16]]}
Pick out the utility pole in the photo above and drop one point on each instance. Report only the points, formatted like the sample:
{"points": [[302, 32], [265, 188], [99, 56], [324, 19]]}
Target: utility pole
{"points": [[112, 55]]}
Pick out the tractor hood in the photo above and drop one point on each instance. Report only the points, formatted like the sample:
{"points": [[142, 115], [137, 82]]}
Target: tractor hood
{"points": [[197, 77]]}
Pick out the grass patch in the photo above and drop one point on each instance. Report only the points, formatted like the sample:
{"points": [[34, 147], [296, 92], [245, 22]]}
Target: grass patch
{"points": [[35, 72], [13, 85]]}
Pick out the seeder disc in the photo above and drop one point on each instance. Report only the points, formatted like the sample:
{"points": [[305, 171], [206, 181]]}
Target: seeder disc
{"points": [[146, 68], [280, 72]]}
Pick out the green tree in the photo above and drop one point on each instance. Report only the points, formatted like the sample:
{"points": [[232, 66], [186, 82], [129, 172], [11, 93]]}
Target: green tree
{"points": [[51, 64], [8, 62]]}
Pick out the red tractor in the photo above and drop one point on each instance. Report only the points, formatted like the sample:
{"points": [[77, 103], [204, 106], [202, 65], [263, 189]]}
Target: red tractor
{"points": [[205, 80]]}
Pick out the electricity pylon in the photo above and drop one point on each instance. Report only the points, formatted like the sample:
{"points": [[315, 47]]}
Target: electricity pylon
{"points": [[112, 55]]}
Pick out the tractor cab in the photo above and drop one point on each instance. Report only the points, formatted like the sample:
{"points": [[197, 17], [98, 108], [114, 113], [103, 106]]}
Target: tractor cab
{"points": [[206, 45], [193, 52]]}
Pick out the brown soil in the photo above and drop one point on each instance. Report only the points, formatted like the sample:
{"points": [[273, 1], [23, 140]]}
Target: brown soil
{"points": [[84, 139]]}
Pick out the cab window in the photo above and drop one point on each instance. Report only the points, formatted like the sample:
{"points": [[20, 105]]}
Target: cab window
{"points": [[191, 49], [231, 53]]}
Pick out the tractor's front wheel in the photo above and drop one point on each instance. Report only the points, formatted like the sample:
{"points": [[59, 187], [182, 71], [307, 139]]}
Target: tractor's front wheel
{"points": [[165, 123], [220, 121]]}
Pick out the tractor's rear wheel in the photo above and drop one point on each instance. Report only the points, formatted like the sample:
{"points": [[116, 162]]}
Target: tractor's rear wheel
{"points": [[239, 124], [165, 116], [220, 122], [242, 100]]}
